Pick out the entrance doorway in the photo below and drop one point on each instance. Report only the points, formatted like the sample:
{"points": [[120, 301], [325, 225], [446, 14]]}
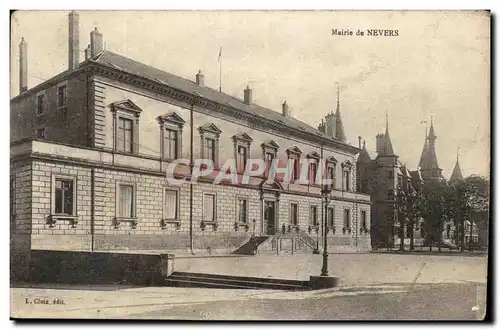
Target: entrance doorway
{"points": [[270, 217]]}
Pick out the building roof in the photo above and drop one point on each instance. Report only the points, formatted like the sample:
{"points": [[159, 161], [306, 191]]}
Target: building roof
{"points": [[128, 65], [428, 160], [456, 175], [364, 156]]}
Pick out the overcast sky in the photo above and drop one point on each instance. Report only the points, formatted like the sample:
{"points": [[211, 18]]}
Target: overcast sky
{"points": [[437, 66]]}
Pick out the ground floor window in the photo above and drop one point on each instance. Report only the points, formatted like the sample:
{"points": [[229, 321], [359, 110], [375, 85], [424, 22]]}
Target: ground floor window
{"points": [[126, 201], [314, 215], [64, 196], [171, 202], [242, 210], [347, 219], [209, 213], [331, 217], [294, 214]]}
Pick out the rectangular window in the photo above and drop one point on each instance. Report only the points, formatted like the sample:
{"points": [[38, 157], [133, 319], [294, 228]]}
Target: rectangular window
{"points": [[64, 198], [62, 96], [170, 211], [390, 174], [210, 149], [347, 218], [242, 210], [296, 168], [40, 104], [124, 138], [314, 215], [40, 133], [241, 161], [269, 156], [363, 219], [331, 217], [331, 175], [313, 169], [170, 144], [126, 201], [347, 181], [209, 207], [294, 214]]}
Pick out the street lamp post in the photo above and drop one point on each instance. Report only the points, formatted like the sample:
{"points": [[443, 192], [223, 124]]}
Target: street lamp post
{"points": [[326, 195]]}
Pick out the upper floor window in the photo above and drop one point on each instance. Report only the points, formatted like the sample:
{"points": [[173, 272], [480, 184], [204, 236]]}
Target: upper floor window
{"points": [[242, 149], [210, 141], [40, 104], [125, 135], [126, 126], [270, 152], [331, 165], [171, 135], [62, 96], [313, 167], [346, 175], [294, 153]]}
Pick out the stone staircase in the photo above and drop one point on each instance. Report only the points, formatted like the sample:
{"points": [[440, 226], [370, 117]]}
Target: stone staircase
{"points": [[250, 247], [200, 280]]}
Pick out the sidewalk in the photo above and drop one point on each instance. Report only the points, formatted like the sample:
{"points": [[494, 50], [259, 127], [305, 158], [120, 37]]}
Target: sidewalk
{"points": [[353, 269]]}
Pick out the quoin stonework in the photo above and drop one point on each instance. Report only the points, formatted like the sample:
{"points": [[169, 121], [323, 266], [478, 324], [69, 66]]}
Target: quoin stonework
{"points": [[91, 146]]}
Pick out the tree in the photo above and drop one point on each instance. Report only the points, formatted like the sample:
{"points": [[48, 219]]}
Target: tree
{"points": [[471, 196]]}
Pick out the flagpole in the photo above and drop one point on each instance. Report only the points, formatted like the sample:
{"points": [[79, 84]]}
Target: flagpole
{"points": [[220, 70]]}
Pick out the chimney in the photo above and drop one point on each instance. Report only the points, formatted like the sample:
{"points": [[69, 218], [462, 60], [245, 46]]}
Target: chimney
{"points": [[23, 66], [200, 78], [247, 96], [87, 52], [285, 110], [359, 140], [73, 41], [96, 45]]}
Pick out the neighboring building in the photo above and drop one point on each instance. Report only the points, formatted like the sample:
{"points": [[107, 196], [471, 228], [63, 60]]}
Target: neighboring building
{"points": [[90, 146]]}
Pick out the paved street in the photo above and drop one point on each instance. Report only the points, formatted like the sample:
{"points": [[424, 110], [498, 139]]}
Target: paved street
{"points": [[374, 286]]}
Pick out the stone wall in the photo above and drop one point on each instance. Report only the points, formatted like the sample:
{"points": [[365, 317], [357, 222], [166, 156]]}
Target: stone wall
{"points": [[99, 267]]}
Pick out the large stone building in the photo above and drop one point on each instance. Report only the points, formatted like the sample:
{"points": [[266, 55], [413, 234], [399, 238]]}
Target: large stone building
{"points": [[90, 147]]}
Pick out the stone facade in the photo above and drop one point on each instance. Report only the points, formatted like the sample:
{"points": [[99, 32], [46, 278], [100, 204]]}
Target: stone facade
{"points": [[79, 149]]}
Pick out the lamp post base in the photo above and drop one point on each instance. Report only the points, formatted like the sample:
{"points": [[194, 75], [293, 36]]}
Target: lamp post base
{"points": [[323, 282], [316, 251]]}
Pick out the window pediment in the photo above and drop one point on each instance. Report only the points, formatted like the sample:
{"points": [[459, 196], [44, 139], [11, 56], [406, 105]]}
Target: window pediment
{"points": [[210, 128], [172, 117], [242, 137], [294, 150], [313, 155], [331, 160], [270, 145], [127, 106], [347, 164]]}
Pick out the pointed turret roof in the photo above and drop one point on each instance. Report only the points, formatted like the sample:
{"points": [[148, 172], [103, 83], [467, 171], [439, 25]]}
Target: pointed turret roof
{"points": [[456, 175], [387, 141], [429, 160], [339, 127]]}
